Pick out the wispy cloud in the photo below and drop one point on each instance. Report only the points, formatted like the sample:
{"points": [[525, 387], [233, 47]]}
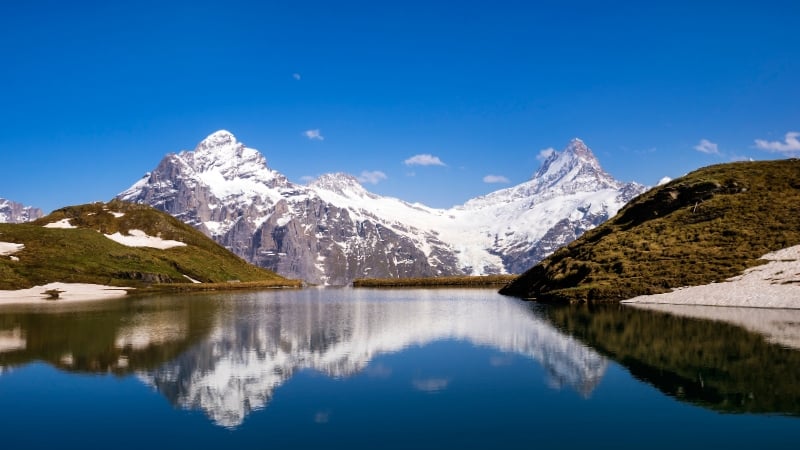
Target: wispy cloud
{"points": [[495, 179], [371, 177], [545, 153], [322, 416], [789, 147], [498, 361], [296, 76], [424, 159], [378, 371], [307, 178], [431, 385], [314, 135], [708, 147]]}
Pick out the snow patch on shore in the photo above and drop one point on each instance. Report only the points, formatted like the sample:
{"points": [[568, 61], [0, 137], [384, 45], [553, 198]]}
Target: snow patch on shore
{"points": [[191, 279], [70, 292], [138, 238], [772, 285]]}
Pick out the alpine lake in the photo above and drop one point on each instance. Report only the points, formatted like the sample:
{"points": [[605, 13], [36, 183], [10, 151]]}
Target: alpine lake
{"points": [[392, 368]]}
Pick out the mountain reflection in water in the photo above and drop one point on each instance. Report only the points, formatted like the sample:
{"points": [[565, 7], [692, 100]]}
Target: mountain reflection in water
{"points": [[226, 355], [258, 343]]}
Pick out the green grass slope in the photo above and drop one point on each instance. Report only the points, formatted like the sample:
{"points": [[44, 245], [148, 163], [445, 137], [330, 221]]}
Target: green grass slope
{"points": [[85, 255], [706, 226]]}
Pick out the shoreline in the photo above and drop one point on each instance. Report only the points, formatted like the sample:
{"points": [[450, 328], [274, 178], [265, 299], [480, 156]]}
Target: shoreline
{"points": [[69, 293], [774, 285], [85, 292], [448, 281]]}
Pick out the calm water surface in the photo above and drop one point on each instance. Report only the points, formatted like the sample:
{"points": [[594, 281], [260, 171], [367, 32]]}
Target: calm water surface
{"points": [[350, 368]]}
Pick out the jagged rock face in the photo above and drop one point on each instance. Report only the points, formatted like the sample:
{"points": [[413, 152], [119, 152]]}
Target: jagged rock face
{"points": [[13, 212], [332, 230]]}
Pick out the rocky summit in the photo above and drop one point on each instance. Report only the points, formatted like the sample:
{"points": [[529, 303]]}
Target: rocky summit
{"points": [[13, 212], [332, 230]]}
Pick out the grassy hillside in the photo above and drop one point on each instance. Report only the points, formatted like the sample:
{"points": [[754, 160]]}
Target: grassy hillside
{"points": [[706, 226], [85, 255]]}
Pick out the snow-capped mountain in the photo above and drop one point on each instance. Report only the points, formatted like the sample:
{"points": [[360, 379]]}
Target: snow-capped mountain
{"points": [[332, 230], [249, 355], [13, 212]]}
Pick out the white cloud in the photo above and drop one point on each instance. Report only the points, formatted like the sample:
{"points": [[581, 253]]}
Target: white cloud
{"points": [[322, 417], [706, 146], [314, 135], [296, 76], [307, 178], [789, 147], [431, 385], [371, 177], [545, 153], [424, 160], [664, 180], [495, 179]]}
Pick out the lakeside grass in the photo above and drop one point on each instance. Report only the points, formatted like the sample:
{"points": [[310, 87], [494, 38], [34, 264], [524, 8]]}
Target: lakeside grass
{"points": [[227, 286], [448, 281]]}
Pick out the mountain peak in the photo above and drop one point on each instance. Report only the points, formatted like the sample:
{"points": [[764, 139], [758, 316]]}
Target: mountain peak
{"points": [[578, 147], [216, 140], [221, 151], [576, 163], [340, 183]]}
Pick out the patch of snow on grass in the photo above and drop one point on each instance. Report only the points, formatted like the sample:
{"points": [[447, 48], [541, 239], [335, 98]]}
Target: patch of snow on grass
{"points": [[191, 279], [138, 238], [772, 285], [117, 214], [63, 223], [9, 248]]}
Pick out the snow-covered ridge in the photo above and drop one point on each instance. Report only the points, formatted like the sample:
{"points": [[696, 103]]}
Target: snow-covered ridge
{"points": [[13, 212], [333, 230]]}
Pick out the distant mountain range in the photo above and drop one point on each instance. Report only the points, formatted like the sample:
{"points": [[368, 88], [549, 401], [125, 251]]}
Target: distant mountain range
{"points": [[332, 230], [13, 212]]}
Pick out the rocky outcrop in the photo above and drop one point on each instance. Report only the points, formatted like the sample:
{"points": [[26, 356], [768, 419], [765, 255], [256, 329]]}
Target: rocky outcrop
{"points": [[13, 212]]}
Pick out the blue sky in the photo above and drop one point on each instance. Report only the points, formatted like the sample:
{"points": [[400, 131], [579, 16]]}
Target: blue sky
{"points": [[94, 94]]}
